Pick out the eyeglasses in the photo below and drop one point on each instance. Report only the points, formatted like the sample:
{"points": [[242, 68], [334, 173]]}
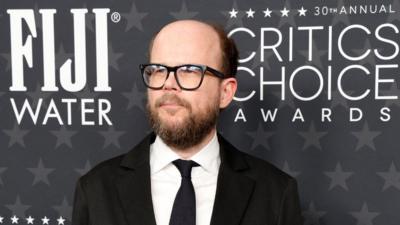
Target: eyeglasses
{"points": [[188, 76]]}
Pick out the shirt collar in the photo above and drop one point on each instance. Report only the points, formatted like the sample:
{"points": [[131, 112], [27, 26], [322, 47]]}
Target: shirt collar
{"points": [[162, 155]]}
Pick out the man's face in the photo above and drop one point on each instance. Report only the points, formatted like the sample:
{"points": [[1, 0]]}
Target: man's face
{"points": [[183, 118]]}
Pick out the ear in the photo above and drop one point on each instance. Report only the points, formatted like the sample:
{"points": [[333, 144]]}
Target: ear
{"points": [[228, 88]]}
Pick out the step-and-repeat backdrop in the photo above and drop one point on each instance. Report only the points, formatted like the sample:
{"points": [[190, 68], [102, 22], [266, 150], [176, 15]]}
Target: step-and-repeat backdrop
{"points": [[318, 97]]}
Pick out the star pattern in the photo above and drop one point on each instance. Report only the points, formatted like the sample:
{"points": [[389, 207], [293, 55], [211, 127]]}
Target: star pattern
{"points": [[233, 13], [289, 171], [286, 16], [366, 137], [16, 135], [267, 13], [342, 148], [135, 98], [63, 136], [29, 220], [41, 173], [289, 99], [85, 169], [257, 63], [393, 17], [238, 17], [250, 13], [260, 137], [62, 56], [302, 11], [312, 216], [284, 12], [18, 209], [183, 13], [339, 177], [312, 137], [60, 221], [364, 216], [45, 220], [340, 18], [111, 137], [391, 177], [39, 94], [14, 220], [64, 210], [393, 91], [134, 18], [338, 100]]}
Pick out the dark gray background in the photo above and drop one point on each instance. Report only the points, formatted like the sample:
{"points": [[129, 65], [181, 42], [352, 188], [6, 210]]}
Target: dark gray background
{"points": [[348, 173]]}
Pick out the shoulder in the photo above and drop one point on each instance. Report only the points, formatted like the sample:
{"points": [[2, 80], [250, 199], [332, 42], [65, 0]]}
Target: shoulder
{"points": [[259, 169], [107, 170], [266, 171], [103, 172]]}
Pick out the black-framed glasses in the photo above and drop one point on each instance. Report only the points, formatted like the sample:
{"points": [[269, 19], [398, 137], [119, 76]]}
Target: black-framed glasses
{"points": [[188, 76]]}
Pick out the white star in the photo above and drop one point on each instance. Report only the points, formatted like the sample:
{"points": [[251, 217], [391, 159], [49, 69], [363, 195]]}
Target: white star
{"points": [[285, 12], [14, 219], [302, 11], [250, 13], [29, 220], [60, 221], [233, 13], [1, 219], [267, 13], [45, 220]]}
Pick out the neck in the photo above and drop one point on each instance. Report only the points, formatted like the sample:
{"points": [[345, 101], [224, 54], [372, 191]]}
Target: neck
{"points": [[189, 152]]}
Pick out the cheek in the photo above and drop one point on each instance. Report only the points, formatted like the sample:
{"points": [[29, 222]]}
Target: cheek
{"points": [[210, 90], [151, 97], [205, 100]]}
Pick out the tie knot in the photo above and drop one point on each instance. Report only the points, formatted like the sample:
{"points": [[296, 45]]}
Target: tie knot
{"points": [[185, 167]]}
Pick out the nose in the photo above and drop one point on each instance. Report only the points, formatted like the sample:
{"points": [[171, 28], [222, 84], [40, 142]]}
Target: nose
{"points": [[171, 83]]}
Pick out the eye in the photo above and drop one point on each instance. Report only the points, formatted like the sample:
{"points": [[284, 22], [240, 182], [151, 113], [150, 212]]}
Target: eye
{"points": [[191, 69], [154, 69]]}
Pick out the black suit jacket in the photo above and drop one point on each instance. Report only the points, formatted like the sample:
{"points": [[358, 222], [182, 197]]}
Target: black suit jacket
{"points": [[249, 191]]}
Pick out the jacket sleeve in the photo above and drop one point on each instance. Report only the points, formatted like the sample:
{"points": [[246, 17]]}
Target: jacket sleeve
{"points": [[290, 211], [80, 212]]}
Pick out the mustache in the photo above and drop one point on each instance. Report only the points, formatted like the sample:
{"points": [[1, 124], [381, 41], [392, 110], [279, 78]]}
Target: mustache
{"points": [[172, 98]]}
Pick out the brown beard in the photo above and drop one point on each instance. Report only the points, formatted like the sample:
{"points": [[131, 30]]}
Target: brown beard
{"points": [[191, 131]]}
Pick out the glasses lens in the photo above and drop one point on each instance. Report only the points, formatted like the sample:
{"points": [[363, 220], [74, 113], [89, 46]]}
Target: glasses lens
{"points": [[189, 76], [155, 75]]}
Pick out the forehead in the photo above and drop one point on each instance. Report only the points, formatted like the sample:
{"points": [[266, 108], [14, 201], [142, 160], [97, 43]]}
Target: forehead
{"points": [[186, 42]]}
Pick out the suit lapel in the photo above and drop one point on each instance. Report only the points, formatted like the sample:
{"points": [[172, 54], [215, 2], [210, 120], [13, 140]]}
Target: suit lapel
{"points": [[233, 192], [133, 185], [233, 187]]}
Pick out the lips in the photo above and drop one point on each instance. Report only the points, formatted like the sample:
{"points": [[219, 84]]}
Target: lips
{"points": [[170, 103]]}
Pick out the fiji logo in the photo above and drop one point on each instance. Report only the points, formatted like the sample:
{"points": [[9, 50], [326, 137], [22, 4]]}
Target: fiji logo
{"points": [[21, 49]]}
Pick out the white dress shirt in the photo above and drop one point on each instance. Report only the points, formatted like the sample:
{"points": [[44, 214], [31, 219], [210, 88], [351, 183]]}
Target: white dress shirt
{"points": [[166, 180]]}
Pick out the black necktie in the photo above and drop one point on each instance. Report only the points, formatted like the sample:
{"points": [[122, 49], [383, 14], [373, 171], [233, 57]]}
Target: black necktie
{"points": [[184, 209]]}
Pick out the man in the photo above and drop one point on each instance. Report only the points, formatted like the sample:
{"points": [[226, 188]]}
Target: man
{"points": [[185, 173]]}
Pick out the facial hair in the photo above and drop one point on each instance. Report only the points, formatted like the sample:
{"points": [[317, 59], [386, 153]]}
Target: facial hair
{"points": [[191, 130]]}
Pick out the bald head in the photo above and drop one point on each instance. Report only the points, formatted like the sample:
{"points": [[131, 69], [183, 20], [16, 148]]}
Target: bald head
{"points": [[191, 41], [187, 30]]}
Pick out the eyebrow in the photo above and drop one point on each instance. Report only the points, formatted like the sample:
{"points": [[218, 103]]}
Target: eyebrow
{"points": [[177, 64]]}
